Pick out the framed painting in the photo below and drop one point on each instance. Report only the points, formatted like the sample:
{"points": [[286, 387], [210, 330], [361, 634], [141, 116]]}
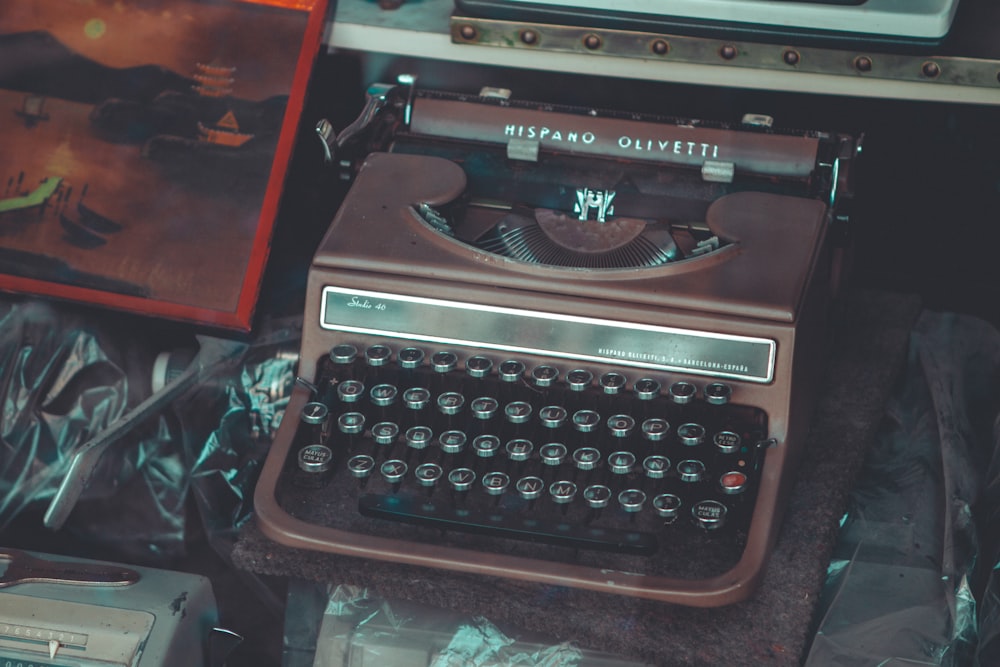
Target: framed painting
{"points": [[143, 148]]}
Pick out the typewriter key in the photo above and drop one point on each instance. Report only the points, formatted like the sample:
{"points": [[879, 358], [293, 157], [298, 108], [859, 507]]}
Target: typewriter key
{"points": [[646, 389], [733, 483], [350, 391], [393, 472], [718, 393], [496, 483], [444, 362], [727, 442], [586, 458], [361, 466], [553, 453], [517, 412], [416, 398], [385, 433], [667, 505], [691, 470], [461, 479], [632, 500], [544, 376], [452, 442], [562, 492], [343, 354], [585, 421], [315, 463], [709, 514], [410, 357], [511, 370], [655, 429], [530, 488], [484, 407], [620, 426], [597, 496], [613, 383], [682, 393], [579, 379], [478, 366], [315, 419], [656, 466], [351, 423], [552, 416], [450, 403], [418, 437], [378, 355], [691, 434], [519, 449], [383, 395], [486, 446], [428, 474]]}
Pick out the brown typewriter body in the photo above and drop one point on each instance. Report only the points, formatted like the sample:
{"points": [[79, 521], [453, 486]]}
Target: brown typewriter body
{"points": [[384, 276]]}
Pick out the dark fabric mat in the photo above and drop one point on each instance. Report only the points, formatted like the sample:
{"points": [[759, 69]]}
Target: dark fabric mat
{"points": [[771, 628]]}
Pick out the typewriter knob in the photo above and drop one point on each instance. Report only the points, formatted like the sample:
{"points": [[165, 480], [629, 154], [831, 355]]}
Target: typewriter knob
{"points": [[579, 379], [543, 376], [613, 383], [377, 355], [597, 496], [718, 393], [410, 357], [478, 366], [709, 514], [682, 393], [646, 389], [344, 353], [562, 492], [495, 483], [444, 362], [632, 500], [530, 488], [511, 370]]}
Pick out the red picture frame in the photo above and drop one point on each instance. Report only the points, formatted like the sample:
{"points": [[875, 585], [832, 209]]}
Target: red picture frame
{"points": [[145, 147]]}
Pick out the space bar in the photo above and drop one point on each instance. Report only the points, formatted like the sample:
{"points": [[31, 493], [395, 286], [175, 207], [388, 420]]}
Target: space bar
{"points": [[507, 524]]}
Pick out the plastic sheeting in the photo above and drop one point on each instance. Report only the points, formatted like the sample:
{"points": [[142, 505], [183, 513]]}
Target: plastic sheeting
{"points": [[902, 584]]}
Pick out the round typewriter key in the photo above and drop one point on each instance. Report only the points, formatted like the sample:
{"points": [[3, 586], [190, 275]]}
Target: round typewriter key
{"points": [[361, 466], [383, 395], [385, 433], [667, 505], [632, 500], [519, 449], [553, 453], [579, 379], [418, 437], [452, 442], [612, 383], [517, 412], [484, 407], [416, 398], [682, 393], [486, 446], [315, 459], [344, 353], [718, 393], [562, 492], [586, 458], [691, 470], [656, 466], [511, 370], [314, 413], [621, 426], [351, 423], [410, 357], [597, 496], [350, 391], [378, 355], [478, 366], [646, 389], [621, 463], [691, 434], [450, 402], [495, 483], [530, 488], [727, 442], [544, 376], [444, 362], [461, 479], [655, 429], [733, 483], [585, 421], [393, 471], [709, 514], [428, 474], [552, 416]]}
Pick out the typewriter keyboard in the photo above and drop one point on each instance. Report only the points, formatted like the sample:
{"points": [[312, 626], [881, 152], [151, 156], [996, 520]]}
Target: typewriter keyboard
{"points": [[505, 448]]}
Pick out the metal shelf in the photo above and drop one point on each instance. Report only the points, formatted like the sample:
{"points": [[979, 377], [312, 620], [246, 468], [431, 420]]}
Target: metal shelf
{"points": [[965, 70]]}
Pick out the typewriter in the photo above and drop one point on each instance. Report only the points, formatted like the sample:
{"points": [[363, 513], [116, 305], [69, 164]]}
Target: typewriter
{"points": [[567, 346], [912, 23]]}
